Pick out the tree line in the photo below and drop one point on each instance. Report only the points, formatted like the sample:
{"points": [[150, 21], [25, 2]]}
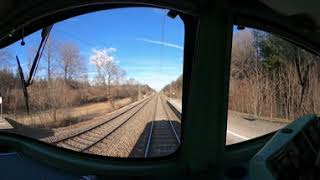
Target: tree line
{"points": [[272, 77], [173, 89], [62, 81], [269, 77]]}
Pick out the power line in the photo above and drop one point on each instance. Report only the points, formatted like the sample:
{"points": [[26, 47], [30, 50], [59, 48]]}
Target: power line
{"points": [[162, 38]]}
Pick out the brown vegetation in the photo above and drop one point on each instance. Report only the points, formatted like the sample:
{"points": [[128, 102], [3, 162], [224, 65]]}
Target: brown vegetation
{"points": [[70, 115], [64, 85], [271, 77], [174, 89]]}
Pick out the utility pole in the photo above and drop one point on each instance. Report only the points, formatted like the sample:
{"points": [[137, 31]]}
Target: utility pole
{"points": [[170, 91], [1, 106], [139, 93]]}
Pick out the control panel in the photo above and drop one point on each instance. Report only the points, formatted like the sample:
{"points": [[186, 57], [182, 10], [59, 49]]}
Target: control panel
{"points": [[292, 153]]}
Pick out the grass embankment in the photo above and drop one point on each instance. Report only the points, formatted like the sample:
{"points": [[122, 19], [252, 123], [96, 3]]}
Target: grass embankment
{"points": [[252, 117], [68, 116]]}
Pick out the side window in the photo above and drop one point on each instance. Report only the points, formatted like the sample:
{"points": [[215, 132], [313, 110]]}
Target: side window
{"points": [[272, 82]]}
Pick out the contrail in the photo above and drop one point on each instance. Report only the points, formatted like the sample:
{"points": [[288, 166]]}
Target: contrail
{"points": [[159, 42]]}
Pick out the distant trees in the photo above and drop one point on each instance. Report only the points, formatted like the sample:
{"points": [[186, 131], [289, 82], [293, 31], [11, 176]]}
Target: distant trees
{"points": [[174, 88], [119, 77], [243, 55], [8, 82], [62, 81], [246, 67]]}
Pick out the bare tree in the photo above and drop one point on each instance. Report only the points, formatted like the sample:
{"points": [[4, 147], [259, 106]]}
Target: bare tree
{"points": [[119, 77], [50, 52], [271, 77], [107, 70], [70, 61], [132, 81], [244, 72]]}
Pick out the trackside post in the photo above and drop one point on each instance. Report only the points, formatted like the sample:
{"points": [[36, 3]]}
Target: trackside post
{"points": [[1, 106]]}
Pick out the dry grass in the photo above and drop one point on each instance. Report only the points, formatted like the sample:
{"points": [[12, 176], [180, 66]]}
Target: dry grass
{"points": [[270, 85], [252, 117], [68, 116]]}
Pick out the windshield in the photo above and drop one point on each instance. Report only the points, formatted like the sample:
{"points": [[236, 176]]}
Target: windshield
{"points": [[107, 83]]}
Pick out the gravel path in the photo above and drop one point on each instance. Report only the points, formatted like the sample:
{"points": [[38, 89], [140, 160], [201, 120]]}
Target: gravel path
{"points": [[172, 115], [240, 128]]}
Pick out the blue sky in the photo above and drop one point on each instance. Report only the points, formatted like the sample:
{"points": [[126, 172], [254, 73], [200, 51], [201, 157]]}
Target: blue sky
{"points": [[148, 45]]}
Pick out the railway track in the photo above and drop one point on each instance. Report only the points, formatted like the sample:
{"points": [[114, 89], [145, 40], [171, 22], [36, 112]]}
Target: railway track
{"points": [[163, 138], [84, 140], [171, 117]]}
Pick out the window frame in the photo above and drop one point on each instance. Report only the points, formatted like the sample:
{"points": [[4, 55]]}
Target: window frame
{"points": [[246, 149], [102, 165]]}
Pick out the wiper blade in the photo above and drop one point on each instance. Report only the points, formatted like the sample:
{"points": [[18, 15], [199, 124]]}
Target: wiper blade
{"points": [[23, 85], [44, 37]]}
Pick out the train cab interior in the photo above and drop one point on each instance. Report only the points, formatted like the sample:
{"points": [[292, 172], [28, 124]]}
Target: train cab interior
{"points": [[80, 79]]}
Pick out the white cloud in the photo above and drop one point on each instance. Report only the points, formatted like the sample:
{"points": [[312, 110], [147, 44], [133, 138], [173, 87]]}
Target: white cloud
{"points": [[101, 56], [160, 42]]}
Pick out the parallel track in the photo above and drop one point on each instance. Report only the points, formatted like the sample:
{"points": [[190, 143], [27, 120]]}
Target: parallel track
{"points": [[152, 134]]}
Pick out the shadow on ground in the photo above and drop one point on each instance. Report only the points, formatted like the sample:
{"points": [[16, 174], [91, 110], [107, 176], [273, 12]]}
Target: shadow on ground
{"points": [[167, 140], [33, 132], [72, 120]]}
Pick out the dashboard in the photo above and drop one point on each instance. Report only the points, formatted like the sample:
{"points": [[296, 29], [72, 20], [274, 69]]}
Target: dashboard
{"points": [[292, 153], [28, 168]]}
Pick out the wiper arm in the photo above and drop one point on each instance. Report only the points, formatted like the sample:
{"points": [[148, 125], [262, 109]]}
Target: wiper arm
{"points": [[44, 37], [23, 85]]}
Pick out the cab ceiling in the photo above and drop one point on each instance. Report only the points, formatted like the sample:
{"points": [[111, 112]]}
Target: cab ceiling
{"points": [[308, 8], [302, 17]]}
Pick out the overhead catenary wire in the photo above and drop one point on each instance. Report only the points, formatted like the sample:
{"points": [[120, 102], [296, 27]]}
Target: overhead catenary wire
{"points": [[162, 37]]}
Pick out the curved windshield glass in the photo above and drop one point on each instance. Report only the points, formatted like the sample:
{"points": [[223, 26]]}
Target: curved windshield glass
{"points": [[107, 83]]}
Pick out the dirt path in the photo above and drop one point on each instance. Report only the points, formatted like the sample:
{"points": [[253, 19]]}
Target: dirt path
{"points": [[241, 128]]}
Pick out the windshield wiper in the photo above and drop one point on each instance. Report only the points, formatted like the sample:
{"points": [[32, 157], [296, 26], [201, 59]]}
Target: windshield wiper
{"points": [[25, 83]]}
